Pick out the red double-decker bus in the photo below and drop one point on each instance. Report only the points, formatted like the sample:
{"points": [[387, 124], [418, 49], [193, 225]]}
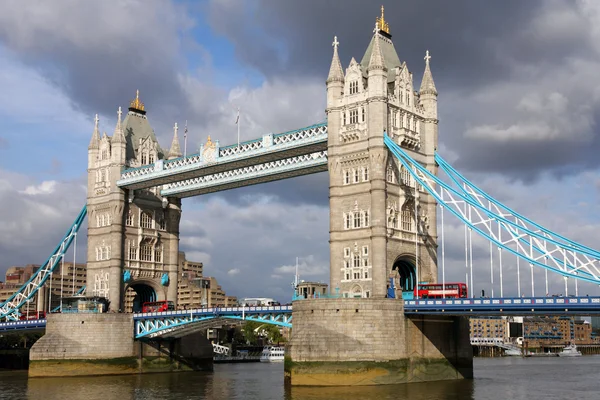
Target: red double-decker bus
{"points": [[451, 290], [158, 306], [33, 315]]}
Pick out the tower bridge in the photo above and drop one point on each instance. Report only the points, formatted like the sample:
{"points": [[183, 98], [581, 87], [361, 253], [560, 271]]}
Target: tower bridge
{"points": [[379, 146]]}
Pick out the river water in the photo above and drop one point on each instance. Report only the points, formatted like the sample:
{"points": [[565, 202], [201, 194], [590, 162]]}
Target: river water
{"points": [[495, 378]]}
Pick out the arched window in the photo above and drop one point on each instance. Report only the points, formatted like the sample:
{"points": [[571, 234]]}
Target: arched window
{"points": [[144, 158], [356, 175], [365, 174], [347, 221], [407, 217], [390, 175], [357, 220], [146, 220], [151, 158], [363, 114], [346, 177], [366, 218], [356, 260]]}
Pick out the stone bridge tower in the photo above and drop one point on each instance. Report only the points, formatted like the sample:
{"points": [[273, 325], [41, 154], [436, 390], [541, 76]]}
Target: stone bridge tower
{"points": [[133, 236], [382, 225]]}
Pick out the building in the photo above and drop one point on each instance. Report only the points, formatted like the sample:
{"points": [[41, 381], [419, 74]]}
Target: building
{"points": [[311, 289], [132, 234], [489, 328], [64, 281], [378, 213], [193, 289]]}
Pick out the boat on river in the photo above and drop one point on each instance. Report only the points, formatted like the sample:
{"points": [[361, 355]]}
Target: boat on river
{"points": [[570, 351], [272, 354]]}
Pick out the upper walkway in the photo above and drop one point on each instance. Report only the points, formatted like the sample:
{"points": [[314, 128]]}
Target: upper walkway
{"points": [[214, 168]]}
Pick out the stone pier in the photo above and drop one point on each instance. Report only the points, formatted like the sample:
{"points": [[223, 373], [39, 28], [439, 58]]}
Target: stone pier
{"points": [[343, 342], [103, 344]]}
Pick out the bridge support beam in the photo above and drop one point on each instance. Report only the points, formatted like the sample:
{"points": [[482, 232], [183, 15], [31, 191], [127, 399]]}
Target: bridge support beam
{"points": [[345, 342], [102, 344]]}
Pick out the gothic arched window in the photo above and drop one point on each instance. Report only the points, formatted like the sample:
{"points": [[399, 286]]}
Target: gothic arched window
{"points": [[146, 220]]}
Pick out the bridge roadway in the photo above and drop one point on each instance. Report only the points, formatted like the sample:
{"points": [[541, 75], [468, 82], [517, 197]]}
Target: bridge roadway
{"points": [[180, 323]]}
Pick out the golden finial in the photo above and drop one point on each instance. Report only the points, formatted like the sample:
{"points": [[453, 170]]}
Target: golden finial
{"points": [[383, 26], [209, 143], [137, 104]]}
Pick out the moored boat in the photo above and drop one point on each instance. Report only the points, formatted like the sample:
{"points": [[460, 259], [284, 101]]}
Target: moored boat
{"points": [[570, 351], [272, 354]]}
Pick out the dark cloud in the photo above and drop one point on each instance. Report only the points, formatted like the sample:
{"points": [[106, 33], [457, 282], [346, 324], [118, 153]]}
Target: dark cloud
{"points": [[477, 47]]}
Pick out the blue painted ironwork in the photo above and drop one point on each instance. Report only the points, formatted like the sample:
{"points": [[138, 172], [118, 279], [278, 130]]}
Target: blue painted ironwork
{"points": [[164, 280], [535, 246], [149, 325], [126, 276], [20, 326], [518, 306], [58, 307], [10, 308]]}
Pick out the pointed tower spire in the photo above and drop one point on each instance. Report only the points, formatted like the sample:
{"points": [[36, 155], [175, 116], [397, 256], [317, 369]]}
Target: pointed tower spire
{"points": [[175, 151], [427, 85], [119, 135], [376, 61], [336, 74], [95, 142]]}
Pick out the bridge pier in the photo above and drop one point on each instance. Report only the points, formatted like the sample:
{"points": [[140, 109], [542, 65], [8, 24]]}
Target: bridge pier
{"points": [[366, 341], [103, 344]]}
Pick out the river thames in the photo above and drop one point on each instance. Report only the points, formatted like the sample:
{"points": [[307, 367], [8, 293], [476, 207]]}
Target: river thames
{"points": [[495, 379]]}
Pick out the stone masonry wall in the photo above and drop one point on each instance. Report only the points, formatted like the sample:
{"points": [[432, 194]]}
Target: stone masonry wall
{"points": [[348, 330], [85, 336], [339, 342]]}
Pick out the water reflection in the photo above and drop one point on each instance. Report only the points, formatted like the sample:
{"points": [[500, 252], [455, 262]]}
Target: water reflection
{"points": [[448, 390], [495, 379]]}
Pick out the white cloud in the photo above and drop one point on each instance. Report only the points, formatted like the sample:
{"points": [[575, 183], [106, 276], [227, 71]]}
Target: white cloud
{"points": [[233, 272], [46, 187]]}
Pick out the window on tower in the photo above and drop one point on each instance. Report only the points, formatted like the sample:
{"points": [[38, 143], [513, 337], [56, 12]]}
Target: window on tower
{"points": [[129, 220], [353, 87], [132, 252], [406, 217], [347, 221], [144, 158], [356, 175], [354, 116], [365, 174], [146, 220], [357, 220], [146, 252], [346, 177], [363, 114]]}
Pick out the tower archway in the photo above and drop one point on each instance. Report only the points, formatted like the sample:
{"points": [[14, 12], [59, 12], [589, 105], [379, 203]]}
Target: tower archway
{"points": [[140, 293], [405, 266]]}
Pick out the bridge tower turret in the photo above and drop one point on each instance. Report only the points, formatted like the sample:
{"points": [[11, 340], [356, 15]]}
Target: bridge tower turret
{"points": [[382, 225], [133, 235]]}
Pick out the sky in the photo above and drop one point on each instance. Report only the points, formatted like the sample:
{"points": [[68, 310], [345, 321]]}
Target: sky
{"points": [[519, 94]]}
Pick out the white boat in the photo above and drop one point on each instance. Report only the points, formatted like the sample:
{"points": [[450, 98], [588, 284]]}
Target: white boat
{"points": [[272, 354], [570, 351]]}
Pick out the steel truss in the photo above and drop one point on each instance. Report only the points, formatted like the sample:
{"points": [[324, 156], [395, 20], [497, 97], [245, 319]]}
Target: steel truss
{"points": [[178, 323], [10, 308], [497, 223]]}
